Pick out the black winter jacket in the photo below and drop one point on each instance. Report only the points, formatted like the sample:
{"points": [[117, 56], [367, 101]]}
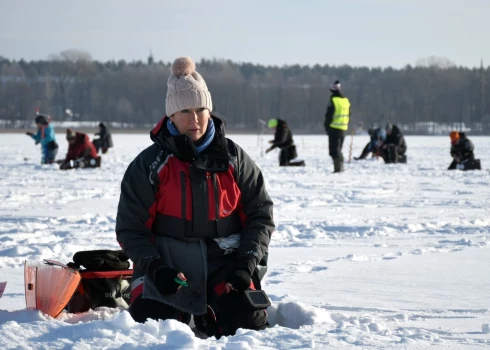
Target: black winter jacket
{"points": [[283, 137], [396, 138], [463, 150], [173, 200]]}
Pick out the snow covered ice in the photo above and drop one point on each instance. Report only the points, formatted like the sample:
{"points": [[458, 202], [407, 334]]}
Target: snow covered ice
{"points": [[381, 256]]}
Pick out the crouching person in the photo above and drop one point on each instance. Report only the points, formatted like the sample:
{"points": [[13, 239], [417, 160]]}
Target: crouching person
{"points": [[394, 146], [194, 217], [81, 152], [283, 139], [104, 142], [462, 152], [378, 136]]}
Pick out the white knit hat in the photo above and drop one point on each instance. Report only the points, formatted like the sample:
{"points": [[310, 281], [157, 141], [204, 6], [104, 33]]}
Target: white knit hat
{"points": [[186, 88]]}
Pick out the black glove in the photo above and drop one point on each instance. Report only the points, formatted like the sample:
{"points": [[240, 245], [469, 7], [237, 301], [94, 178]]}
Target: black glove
{"points": [[65, 165], [163, 277], [29, 133], [240, 277], [102, 260]]}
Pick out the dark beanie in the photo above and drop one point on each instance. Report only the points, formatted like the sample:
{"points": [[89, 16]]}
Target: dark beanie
{"points": [[70, 134], [335, 86], [41, 119]]}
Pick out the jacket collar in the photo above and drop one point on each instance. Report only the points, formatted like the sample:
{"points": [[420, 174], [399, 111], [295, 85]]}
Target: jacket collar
{"points": [[182, 146]]}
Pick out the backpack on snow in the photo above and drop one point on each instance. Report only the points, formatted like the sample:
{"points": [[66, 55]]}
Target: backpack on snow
{"points": [[106, 280]]}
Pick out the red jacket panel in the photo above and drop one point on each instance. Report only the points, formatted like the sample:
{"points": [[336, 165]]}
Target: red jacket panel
{"points": [[80, 147]]}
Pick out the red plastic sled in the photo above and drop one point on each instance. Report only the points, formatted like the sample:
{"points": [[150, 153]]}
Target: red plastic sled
{"points": [[49, 286], [3, 285]]}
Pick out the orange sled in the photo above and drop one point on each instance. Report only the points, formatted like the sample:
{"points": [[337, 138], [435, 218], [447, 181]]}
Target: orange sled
{"points": [[49, 286]]}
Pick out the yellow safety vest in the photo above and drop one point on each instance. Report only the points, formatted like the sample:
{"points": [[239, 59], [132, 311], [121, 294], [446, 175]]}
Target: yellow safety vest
{"points": [[340, 118]]}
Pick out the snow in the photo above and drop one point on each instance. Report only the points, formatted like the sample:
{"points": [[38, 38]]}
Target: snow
{"points": [[381, 256]]}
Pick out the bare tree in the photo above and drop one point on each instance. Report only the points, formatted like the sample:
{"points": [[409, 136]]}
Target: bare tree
{"points": [[69, 65], [435, 62]]}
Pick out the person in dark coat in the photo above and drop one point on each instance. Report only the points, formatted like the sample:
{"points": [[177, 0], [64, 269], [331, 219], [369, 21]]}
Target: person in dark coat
{"points": [[104, 141], [394, 147], [45, 136], [378, 136], [194, 216], [462, 151], [336, 124], [80, 149], [283, 139]]}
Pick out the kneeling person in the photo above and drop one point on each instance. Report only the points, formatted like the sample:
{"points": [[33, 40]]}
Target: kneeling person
{"points": [[462, 152], [194, 217], [104, 142], [378, 136], [46, 137], [394, 147], [81, 152], [283, 139]]}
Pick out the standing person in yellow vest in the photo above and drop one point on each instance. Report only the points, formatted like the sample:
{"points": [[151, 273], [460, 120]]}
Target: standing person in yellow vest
{"points": [[336, 124]]}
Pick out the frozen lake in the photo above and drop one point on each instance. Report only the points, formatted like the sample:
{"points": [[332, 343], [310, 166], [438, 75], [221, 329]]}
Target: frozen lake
{"points": [[380, 256]]}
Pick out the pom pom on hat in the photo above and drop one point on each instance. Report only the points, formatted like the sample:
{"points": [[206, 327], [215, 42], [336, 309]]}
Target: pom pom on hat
{"points": [[183, 66]]}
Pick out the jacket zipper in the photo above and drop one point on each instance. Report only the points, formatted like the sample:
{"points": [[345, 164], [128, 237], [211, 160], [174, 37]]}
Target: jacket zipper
{"points": [[184, 197], [216, 195]]}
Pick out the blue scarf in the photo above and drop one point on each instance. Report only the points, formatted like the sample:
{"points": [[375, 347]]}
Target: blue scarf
{"points": [[208, 136]]}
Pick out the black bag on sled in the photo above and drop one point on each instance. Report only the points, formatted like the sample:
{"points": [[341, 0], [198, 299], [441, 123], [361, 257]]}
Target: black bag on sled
{"points": [[106, 281]]}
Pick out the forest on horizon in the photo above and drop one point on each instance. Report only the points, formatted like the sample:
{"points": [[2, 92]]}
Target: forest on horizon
{"points": [[71, 86]]}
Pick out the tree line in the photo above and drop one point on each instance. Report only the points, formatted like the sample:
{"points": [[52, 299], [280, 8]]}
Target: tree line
{"points": [[71, 86]]}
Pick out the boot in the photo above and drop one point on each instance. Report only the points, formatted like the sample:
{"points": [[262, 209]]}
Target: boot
{"points": [[338, 165]]}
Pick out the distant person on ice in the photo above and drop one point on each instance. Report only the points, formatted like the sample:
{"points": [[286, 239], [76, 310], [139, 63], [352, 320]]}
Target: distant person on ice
{"points": [[283, 139], [46, 137], [80, 149], [195, 218], [104, 141], [394, 147], [462, 152], [378, 136], [336, 124]]}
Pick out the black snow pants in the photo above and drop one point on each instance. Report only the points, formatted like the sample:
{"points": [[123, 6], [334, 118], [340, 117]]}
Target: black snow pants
{"points": [[287, 154], [335, 143], [392, 153], [226, 312]]}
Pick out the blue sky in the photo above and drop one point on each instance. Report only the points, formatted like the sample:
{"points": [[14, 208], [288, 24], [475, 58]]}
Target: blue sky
{"points": [[356, 32]]}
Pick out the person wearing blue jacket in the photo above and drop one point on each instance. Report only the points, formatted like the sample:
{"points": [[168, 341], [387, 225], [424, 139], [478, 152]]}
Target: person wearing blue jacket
{"points": [[378, 136], [46, 137]]}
